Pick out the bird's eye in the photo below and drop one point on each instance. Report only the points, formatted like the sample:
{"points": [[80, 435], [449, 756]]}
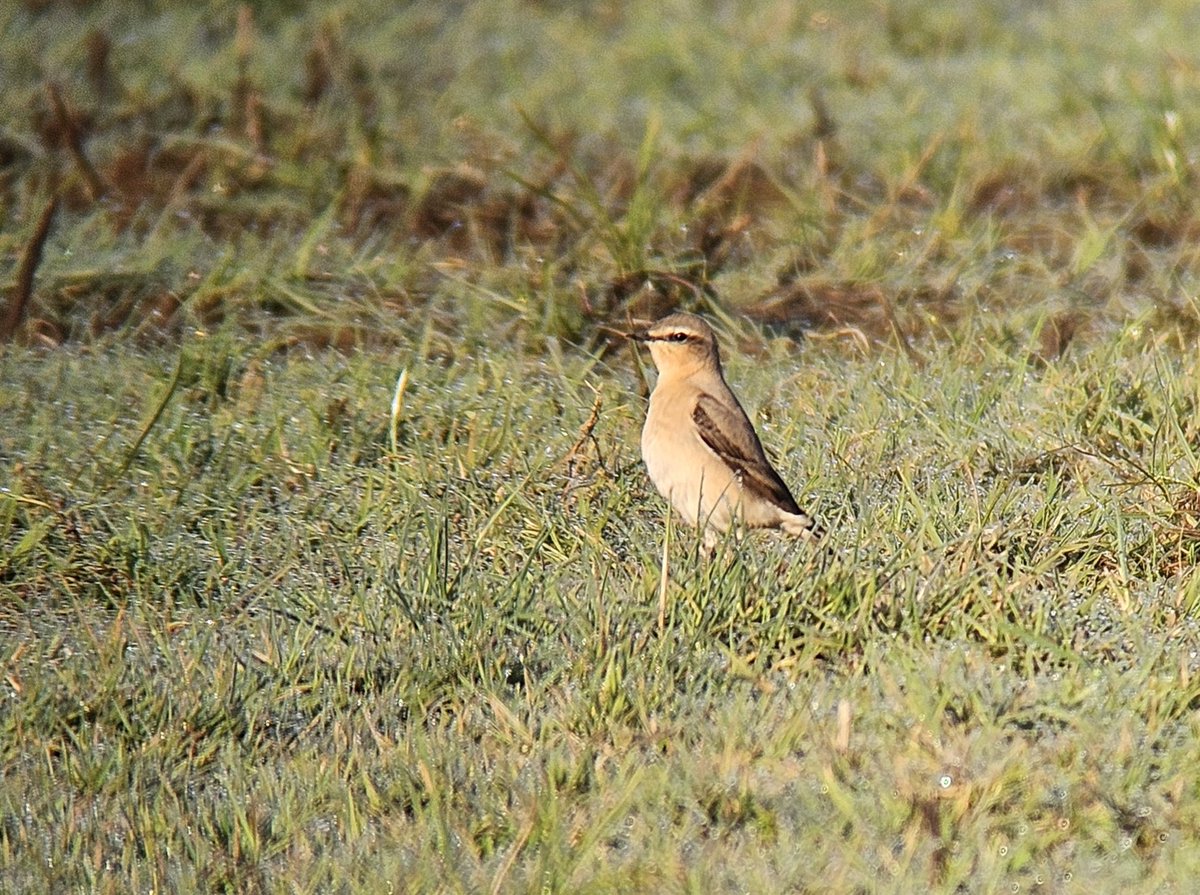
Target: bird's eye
{"points": [[678, 337]]}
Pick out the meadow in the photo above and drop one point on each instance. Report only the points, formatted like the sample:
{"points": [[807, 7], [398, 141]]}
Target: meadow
{"points": [[328, 562]]}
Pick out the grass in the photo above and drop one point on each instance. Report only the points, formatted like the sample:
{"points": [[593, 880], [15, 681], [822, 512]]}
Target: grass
{"points": [[327, 560]]}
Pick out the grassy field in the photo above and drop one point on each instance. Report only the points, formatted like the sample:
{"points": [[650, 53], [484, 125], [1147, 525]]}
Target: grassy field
{"points": [[327, 559]]}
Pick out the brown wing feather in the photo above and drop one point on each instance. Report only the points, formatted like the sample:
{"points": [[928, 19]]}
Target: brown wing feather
{"points": [[713, 420]]}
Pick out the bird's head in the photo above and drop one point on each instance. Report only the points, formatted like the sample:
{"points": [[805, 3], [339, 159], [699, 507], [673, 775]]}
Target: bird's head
{"points": [[680, 344]]}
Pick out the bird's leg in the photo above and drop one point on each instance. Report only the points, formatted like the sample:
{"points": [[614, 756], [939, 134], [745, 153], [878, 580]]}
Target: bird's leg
{"points": [[664, 574]]}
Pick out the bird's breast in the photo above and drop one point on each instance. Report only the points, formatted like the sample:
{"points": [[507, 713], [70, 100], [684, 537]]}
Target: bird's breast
{"points": [[683, 469]]}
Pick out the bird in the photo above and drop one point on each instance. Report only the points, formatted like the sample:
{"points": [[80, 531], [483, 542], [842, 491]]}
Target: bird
{"points": [[700, 448]]}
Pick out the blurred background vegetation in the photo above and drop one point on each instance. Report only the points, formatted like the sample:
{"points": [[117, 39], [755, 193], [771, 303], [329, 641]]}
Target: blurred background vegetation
{"points": [[888, 167]]}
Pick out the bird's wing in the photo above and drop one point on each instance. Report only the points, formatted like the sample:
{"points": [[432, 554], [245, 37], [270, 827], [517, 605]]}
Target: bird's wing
{"points": [[728, 433]]}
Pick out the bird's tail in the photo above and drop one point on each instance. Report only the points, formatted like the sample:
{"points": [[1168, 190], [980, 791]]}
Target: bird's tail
{"points": [[802, 525]]}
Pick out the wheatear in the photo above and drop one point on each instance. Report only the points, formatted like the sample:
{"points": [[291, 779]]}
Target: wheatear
{"points": [[700, 448]]}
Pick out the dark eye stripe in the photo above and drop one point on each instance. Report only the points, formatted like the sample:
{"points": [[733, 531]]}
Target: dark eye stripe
{"points": [[677, 337]]}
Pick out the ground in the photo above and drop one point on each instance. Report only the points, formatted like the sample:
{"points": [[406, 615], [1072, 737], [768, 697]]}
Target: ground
{"points": [[327, 559]]}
